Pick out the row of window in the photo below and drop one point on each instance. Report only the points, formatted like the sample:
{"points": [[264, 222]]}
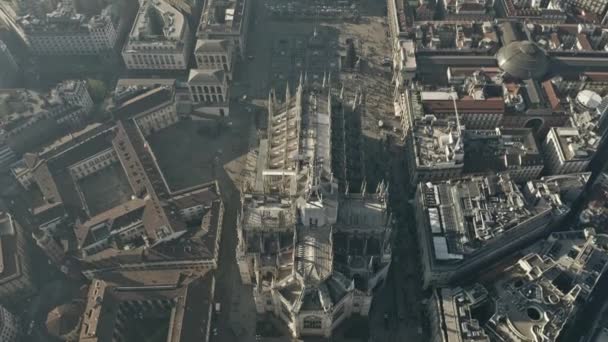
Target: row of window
{"points": [[208, 98], [207, 89], [155, 60], [214, 59]]}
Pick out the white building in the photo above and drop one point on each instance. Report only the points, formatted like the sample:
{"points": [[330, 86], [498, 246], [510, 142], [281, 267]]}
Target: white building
{"points": [[65, 32], [209, 91], [215, 54], [160, 38]]}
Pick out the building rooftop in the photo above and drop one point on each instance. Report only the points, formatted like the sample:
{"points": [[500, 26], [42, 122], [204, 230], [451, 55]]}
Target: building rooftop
{"points": [[531, 299], [212, 45], [267, 212], [158, 25], [570, 38], [464, 215], [184, 304], [222, 16], [10, 258], [19, 107], [523, 60], [437, 143], [456, 321], [145, 101], [500, 150], [540, 293], [50, 165], [461, 36], [538, 11], [206, 76], [573, 145], [64, 19], [299, 129], [128, 88]]}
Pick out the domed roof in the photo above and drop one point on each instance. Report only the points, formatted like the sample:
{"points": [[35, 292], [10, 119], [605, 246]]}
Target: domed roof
{"points": [[523, 60], [589, 99]]}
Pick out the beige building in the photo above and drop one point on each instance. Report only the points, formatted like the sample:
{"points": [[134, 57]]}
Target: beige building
{"points": [[114, 309], [159, 40], [215, 54], [226, 20], [152, 110], [209, 91]]}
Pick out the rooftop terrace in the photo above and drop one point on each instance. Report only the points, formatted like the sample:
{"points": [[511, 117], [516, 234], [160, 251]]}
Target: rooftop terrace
{"points": [[157, 23], [466, 214], [222, 16]]}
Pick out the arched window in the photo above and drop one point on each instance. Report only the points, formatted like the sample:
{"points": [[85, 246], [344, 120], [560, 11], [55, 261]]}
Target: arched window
{"points": [[206, 89], [214, 98], [218, 89], [220, 98]]}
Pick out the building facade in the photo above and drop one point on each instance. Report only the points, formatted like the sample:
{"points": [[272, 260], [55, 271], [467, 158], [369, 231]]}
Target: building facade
{"points": [[65, 32], [210, 91], [159, 40], [213, 54], [152, 110]]}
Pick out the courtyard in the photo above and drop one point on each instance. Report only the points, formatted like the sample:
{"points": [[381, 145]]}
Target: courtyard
{"points": [[104, 189]]}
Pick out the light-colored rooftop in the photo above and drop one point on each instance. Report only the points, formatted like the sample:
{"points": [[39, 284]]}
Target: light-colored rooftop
{"points": [[539, 295], [222, 16], [157, 24], [438, 144], [464, 215], [574, 145]]}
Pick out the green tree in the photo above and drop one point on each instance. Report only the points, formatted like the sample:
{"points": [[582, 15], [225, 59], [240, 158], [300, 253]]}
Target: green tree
{"points": [[97, 90]]}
